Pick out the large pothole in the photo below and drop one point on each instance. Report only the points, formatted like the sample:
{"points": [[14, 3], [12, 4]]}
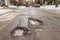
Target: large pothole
{"points": [[19, 31]]}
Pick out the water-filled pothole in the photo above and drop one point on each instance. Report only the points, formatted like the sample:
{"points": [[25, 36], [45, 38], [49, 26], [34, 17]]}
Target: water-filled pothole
{"points": [[35, 22], [19, 31]]}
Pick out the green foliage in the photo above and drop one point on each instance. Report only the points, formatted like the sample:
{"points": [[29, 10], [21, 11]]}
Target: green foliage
{"points": [[58, 2]]}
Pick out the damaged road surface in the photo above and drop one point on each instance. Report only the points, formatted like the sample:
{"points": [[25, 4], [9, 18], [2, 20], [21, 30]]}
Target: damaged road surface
{"points": [[32, 24]]}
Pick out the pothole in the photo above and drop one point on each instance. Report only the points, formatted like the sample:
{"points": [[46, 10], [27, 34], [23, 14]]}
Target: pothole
{"points": [[19, 31], [35, 22]]}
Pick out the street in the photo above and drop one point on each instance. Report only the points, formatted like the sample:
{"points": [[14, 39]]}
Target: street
{"points": [[50, 29]]}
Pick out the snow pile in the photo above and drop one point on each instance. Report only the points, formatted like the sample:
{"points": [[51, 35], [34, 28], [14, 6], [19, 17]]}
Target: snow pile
{"points": [[48, 6], [51, 7], [22, 7], [18, 7], [12, 6]]}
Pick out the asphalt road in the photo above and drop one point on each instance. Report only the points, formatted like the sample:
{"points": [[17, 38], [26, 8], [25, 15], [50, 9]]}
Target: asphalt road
{"points": [[50, 29]]}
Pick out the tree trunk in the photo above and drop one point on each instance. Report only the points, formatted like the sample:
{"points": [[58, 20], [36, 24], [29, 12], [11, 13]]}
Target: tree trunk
{"points": [[56, 3]]}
